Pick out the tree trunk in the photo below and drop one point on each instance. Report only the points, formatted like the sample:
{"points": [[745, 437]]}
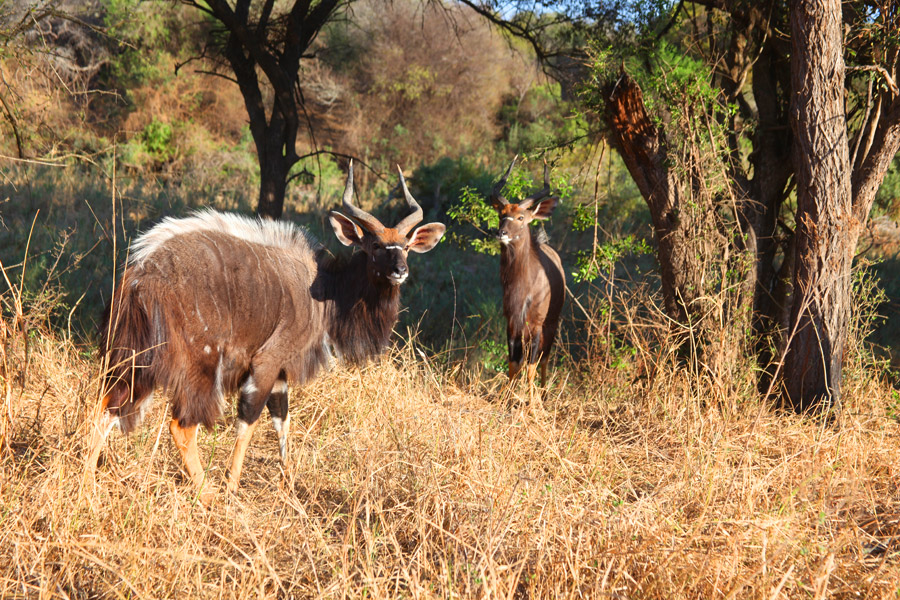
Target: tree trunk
{"points": [[826, 228], [274, 167], [272, 188], [771, 160], [642, 146], [262, 43]]}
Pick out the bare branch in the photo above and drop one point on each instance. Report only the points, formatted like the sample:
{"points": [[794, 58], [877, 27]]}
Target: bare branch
{"points": [[380, 175], [15, 127]]}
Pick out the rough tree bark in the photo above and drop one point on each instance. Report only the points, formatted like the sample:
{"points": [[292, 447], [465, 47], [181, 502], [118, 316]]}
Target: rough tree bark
{"points": [[820, 313], [833, 201]]}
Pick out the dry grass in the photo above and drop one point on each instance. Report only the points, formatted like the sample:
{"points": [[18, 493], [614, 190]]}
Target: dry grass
{"points": [[406, 483]]}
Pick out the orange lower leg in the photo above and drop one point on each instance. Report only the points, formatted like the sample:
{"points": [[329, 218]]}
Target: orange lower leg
{"points": [[244, 433], [186, 442]]}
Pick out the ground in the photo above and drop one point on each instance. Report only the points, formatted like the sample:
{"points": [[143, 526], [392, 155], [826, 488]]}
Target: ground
{"points": [[409, 478]]}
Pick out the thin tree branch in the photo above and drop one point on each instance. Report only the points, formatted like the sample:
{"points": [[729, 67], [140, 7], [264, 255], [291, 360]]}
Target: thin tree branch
{"points": [[356, 160], [895, 91], [12, 122]]}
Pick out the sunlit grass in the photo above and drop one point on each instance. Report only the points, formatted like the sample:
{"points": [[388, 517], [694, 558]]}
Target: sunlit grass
{"points": [[409, 478]]}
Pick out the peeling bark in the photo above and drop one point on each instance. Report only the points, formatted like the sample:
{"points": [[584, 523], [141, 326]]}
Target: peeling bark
{"points": [[644, 150]]}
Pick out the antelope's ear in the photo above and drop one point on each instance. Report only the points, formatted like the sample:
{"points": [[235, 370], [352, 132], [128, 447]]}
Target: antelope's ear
{"points": [[426, 237], [545, 208], [348, 232]]}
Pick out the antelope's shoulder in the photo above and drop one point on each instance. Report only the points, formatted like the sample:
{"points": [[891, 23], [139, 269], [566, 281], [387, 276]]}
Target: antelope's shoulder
{"points": [[274, 234]]}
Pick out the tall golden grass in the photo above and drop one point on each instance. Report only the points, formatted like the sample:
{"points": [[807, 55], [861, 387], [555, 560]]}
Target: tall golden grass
{"points": [[408, 478]]}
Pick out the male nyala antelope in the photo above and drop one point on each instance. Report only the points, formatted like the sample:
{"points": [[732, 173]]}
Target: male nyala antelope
{"points": [[215, 302], [534, 284]]}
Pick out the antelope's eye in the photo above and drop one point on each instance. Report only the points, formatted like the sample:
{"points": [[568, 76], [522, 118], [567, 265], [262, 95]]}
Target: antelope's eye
{"points": [[521, 218]]}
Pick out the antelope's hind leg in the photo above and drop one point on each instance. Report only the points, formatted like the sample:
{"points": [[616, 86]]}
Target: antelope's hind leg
{"points": [[281, 418], [186, 441], [535, 356], [544, 361], [116, 409]]}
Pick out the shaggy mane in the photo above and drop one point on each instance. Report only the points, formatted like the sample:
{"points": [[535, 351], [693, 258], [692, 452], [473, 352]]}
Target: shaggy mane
{"points": [[279, 234]]}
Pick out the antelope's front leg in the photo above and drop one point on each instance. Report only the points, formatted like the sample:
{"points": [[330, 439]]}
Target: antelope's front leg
{"points": [[244, 433], [281, 418], [534, 356], [514, 347], [254, 394]]}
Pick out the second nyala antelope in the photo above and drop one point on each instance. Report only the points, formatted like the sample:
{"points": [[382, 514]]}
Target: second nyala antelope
{"points": [[215, 303], [534, 284]]}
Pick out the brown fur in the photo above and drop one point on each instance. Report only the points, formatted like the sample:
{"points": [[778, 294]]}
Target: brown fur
{"points": [[534, 283], [207, 310], [215, 302]]}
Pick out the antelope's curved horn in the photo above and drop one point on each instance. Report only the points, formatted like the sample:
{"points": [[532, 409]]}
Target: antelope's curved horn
{"points": [[496, 198], [363, 218], [409, 221], [539, 195]]}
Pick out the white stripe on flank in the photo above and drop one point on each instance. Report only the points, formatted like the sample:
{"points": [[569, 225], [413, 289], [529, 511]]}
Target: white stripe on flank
{"points": [[220, 392]]}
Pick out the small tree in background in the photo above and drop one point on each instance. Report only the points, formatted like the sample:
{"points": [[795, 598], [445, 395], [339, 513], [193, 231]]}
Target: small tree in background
{"points": [[264, 40]]}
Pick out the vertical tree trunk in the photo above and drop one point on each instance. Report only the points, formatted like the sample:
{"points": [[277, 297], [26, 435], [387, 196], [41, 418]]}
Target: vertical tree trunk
{"points": [[271, 44], [771, 160], [273, 173], [825, 228], [642, 146]]}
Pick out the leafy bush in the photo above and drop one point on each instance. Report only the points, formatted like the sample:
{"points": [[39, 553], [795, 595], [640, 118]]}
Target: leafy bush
{"points": [[887, 201], [472, 208], [142, 31]]}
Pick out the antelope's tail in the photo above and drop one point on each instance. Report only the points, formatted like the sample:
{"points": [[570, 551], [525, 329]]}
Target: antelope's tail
{"points": [[127, 352]]}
